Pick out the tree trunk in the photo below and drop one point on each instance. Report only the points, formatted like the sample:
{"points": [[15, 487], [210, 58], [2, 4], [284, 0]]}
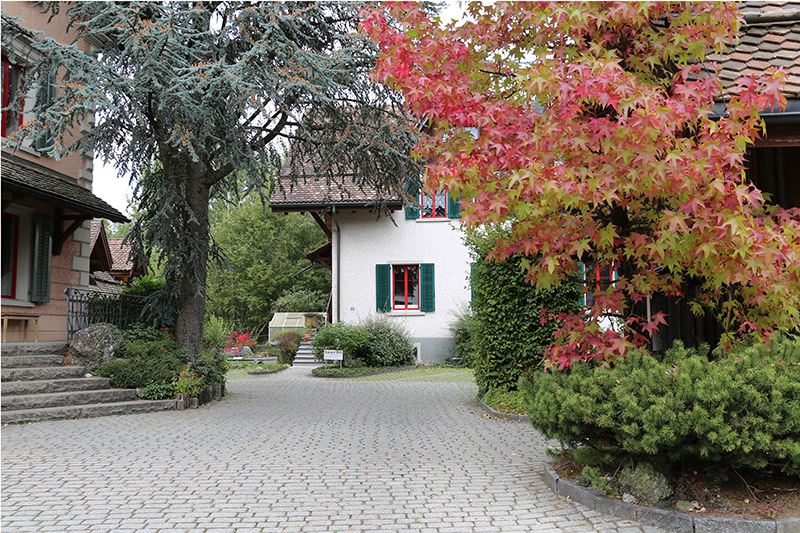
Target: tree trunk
{"points": [[192, 294]]}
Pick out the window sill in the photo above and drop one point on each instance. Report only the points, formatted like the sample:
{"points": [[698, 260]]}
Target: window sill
{"points": [[414, 312], [9, 302], [429, 220]]}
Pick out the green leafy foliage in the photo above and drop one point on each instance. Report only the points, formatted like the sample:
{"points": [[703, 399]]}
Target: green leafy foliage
{"points": [[463, 330], [376, 342], [158, 391], [148, 365], [261, 253], [510, 329], [742, 408], [302, 300], [505, 401], [144, 285], [288, 343], [333, 371]]}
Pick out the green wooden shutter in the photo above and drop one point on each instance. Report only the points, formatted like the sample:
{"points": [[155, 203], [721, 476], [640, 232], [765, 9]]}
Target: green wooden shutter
{"points": [[412, 207], [40, 264], [428, 299], [383, 288], [453, 206]]}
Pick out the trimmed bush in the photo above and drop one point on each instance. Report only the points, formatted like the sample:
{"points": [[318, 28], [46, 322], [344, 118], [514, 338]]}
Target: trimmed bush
{"points": [[742, 409], [377, 342], [508, 335], [288, 344]]}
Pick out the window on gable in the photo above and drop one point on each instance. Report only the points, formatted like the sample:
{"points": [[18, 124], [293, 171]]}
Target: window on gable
{"points": [[434, 206], [10, 244], [12, 97], [596, 278]]}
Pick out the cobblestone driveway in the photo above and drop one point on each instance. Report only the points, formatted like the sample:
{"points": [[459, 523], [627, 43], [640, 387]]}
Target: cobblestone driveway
{"points": [[287, 452]]}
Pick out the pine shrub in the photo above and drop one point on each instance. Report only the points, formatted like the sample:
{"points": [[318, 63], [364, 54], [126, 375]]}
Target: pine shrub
{"points": [[742, 408]]}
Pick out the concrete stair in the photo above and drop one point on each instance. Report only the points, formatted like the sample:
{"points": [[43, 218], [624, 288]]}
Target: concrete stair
{"points": [[35, 387], [305, 356]]}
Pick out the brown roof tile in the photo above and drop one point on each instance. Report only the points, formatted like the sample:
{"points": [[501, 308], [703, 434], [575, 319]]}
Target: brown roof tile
{"points": [[33, 180], [770, 37], [121, 254], [319, 192]]}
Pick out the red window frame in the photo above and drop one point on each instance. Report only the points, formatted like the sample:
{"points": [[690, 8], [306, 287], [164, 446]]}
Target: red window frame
{"points": [[15, 245], [439, 195], [6, 92], [401, 273], [597, 277]]}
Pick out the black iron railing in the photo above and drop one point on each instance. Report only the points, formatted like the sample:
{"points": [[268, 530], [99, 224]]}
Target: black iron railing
{"points": [[86, 307]]}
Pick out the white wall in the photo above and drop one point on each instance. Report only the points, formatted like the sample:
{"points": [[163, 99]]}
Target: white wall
{"points": [[367, 241]]}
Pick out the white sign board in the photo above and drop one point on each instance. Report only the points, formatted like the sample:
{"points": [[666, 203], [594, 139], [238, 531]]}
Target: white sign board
{"points": [[333, 355]]}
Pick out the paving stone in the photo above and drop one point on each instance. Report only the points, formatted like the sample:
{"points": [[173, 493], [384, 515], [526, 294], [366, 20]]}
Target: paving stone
{"points": [[408, 452], [710, 524]]}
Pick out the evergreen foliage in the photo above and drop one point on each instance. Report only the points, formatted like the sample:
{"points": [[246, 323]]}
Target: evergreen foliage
{"points": [[742, 409], [191, 97], [510, 334], [302, 300]]}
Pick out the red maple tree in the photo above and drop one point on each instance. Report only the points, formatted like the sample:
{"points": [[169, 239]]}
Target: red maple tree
{"points": [[596, 143]]}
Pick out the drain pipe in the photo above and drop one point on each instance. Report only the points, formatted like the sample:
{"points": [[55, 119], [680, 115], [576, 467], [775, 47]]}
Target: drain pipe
{"points": [[338, 266]]}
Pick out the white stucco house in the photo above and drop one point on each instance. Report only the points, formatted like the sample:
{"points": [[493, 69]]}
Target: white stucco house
{"points": [[412, 266]]}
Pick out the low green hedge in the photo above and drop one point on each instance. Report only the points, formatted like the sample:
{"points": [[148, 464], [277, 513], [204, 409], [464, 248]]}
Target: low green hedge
{"points": [[742, 409], [336, 372], [375, 342]]}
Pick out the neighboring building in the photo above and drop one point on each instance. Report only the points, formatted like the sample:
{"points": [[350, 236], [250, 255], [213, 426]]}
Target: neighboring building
{"points": [[47, 206], [125, 266], [770, 37], [412, 267], [101, 261]]}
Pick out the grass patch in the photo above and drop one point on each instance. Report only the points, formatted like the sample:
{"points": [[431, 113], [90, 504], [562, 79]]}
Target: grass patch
{"points": [[505, 401]]}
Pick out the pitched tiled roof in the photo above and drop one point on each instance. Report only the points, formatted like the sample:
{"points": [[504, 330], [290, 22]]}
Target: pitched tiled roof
{"points": [[94, 232], [319, 191], [769, 37], [121, 254], [21, 176]]}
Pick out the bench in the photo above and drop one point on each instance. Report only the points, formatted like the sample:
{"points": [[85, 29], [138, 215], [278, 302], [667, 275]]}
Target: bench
{"points": [[26, 319]]}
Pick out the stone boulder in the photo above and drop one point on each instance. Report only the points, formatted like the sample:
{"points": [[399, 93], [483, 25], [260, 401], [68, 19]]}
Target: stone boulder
{"points": [[95, 345], [645, 483]]}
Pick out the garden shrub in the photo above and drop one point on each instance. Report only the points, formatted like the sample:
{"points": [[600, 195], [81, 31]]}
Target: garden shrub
{"points": [[158, 391], [463, 331], [508, 334], [141, 370], [144, 285], [288, 344], [376, 342], [742, 408]]}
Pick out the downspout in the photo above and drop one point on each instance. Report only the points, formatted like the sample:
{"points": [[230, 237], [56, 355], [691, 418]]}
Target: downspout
{"points": [[338, 265]]}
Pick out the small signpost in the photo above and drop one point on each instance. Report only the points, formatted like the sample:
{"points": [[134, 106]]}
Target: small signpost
{"points": [[333, 355]]}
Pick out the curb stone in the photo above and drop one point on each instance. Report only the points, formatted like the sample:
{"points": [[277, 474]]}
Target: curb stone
{"points": [[498, 414], [669, 520]]}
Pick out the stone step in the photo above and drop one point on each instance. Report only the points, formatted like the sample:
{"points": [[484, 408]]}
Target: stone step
{"points": [[58, 399], [54, 385], [41, 373], [33, 348], [86, 411], [26, 361]]}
